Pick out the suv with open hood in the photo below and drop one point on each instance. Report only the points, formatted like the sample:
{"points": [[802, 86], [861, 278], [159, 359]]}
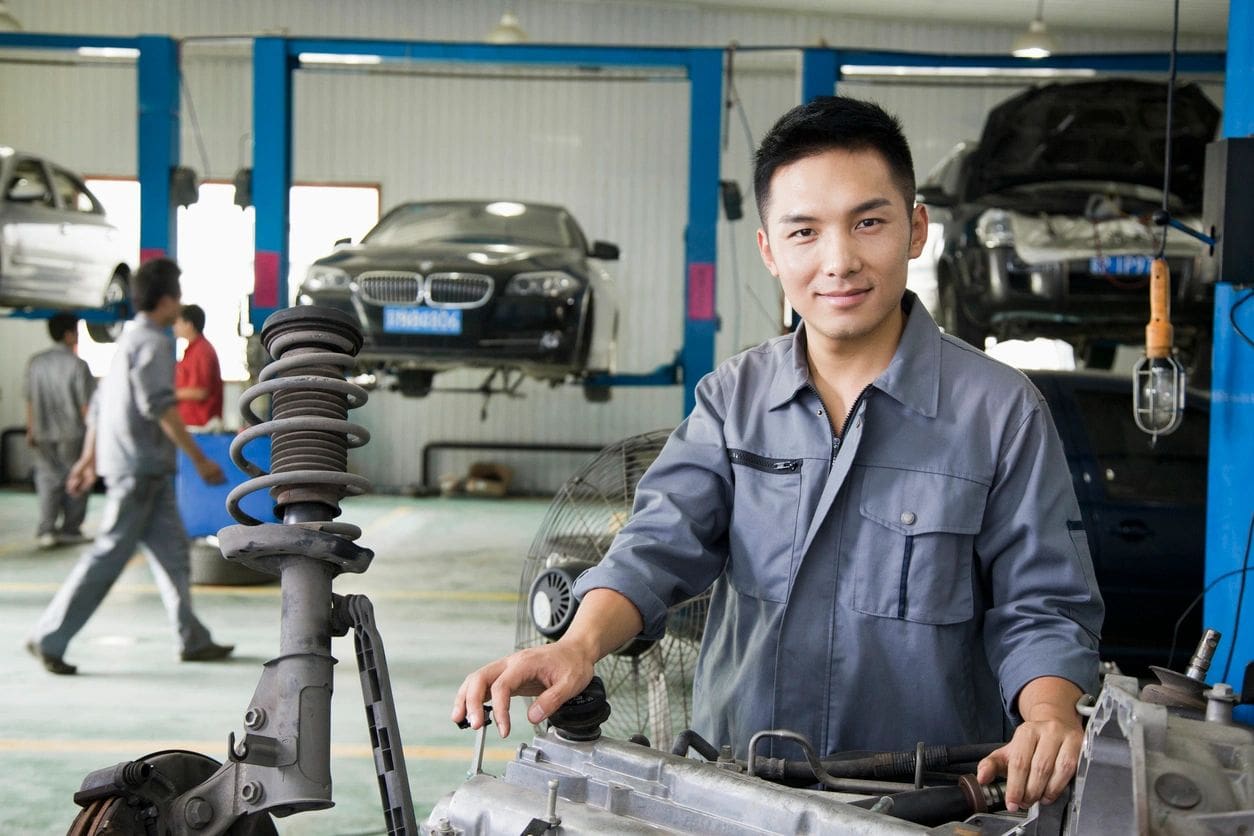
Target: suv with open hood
{"points": [[1047, 219]]}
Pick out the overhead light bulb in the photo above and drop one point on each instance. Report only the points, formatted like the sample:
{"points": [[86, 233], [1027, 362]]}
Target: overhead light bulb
{"points": [[1036, 42], [8, 23], [507, 31]]}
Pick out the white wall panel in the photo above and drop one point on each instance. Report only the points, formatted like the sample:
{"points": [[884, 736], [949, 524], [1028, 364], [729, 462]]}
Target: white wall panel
{"points": [[614, 152]]}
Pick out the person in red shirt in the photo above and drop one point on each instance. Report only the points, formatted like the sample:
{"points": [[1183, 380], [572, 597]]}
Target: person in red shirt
{"points": [[197, 378]]}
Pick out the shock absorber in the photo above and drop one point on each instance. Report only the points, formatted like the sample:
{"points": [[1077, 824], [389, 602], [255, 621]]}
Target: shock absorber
{"points": [[283, 762]]}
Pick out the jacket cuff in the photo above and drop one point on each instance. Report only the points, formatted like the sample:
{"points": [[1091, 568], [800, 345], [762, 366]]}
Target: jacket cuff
{"points": [[653, 610]]}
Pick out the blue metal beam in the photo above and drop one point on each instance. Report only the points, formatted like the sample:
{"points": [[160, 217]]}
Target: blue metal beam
{"points": [[1229, 499], [272, 175], [158, 153], [551, 54], [68, 43], [696, 358], [822, 68]]}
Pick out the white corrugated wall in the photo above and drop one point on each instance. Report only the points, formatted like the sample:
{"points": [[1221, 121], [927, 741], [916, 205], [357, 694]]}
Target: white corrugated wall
{"points": [[613, 151]]}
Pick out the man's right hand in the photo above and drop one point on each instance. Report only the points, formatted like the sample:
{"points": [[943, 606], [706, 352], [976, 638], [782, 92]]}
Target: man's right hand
{"points": [[552, 673], [210, 472], [82, 477]]}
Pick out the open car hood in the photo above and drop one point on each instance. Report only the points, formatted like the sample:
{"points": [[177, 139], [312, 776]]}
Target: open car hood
{"points": [[1112, 130]]}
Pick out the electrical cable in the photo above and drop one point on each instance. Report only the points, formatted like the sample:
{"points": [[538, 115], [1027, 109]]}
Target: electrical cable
{"points": [[1236, 616], [191, 112], [1232, 318], [1171, 99], [1244, 570]]}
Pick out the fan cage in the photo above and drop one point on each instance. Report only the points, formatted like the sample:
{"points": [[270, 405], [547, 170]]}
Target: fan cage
{"points": [[650, 693]]}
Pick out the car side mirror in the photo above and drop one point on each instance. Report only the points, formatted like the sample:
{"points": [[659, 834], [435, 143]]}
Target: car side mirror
{"points": [[935, 196], [27, 191], [604, 250]]}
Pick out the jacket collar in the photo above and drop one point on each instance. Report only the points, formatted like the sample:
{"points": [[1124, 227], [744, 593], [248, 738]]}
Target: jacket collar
{"points": [[912, 377]]}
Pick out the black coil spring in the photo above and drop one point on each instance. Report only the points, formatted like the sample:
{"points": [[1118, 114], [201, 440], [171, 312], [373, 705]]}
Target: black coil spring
{"points": [[309, 428]]}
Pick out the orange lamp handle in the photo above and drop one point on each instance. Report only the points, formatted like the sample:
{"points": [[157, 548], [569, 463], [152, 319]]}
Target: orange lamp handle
{"points": [[1158, 333]]}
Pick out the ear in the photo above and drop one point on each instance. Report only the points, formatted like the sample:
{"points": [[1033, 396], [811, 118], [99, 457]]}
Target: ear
{"points": [[918, 230], [764, 249]]}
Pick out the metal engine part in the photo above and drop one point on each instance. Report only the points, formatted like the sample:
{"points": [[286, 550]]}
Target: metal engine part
{"points": [[1143, 770], [1148, 769]]}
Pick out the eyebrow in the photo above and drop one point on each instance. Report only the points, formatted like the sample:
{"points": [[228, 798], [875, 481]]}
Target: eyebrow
{"points": [[864, 206]]}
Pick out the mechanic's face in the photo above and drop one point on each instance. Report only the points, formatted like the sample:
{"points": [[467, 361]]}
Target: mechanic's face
{"points": [[838, 235]]}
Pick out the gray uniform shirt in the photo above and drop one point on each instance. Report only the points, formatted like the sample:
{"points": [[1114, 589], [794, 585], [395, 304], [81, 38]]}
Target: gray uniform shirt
{"points": [[58, 384], [134, 394], [901, 583]]}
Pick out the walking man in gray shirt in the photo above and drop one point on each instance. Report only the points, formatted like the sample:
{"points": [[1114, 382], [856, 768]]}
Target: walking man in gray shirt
{"points": [[57, 389], [131, 435]]}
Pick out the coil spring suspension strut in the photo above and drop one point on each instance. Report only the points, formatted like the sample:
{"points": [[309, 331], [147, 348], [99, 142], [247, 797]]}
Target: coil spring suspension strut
{"points": [[310, 439], [310, 433]]}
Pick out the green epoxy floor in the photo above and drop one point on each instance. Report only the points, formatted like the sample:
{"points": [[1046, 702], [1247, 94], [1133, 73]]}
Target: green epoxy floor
{"points": [[444, 587]]}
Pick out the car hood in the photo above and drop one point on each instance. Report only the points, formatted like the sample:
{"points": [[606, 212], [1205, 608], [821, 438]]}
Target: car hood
{"points": [[493, 259], [1112, 130]]}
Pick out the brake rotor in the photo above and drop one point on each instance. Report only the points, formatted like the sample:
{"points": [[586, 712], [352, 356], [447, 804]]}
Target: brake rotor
{"points": [[132, 816]]}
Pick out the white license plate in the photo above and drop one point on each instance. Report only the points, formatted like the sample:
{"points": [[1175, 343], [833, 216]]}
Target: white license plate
{"points": [[1120, 265], [397, 320]]}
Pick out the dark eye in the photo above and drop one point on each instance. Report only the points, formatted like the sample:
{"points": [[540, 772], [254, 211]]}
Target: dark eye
{"points": [[804, 232], [868, 222]]}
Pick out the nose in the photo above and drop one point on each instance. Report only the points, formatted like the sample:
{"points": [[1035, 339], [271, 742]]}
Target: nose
{"points": [[840, 256]]}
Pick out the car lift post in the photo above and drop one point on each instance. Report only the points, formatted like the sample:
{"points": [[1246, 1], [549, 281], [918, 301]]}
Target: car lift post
{"points": [[157, 81], [1230, 502], [275, 58]]}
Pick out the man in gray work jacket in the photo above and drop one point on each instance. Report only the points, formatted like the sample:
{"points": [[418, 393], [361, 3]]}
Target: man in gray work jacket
{"points": [[133, 428], [884, 512], [57, 388]]}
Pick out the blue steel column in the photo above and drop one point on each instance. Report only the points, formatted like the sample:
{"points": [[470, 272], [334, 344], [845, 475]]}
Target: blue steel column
{"points": [[818, 73], [272, 175], [705, 71], [1229, 499], [158, 71]]}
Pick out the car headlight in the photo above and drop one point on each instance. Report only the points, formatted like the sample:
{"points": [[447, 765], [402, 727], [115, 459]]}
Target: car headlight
{"points": [[553, 283], [322, 277], [994, 229]]}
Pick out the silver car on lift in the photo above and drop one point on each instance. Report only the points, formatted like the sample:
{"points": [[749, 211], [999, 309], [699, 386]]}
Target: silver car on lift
{"points": [[57, 247]]}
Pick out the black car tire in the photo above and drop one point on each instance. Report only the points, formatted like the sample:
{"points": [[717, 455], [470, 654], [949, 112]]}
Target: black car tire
{"points": [[117, 298], [597, 394], [414, 383], [954, 317]]}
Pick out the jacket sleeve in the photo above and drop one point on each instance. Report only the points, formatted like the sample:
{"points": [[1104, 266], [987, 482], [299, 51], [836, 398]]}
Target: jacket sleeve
{"points": [[152, 378], [675, 544], [1046, 612]]}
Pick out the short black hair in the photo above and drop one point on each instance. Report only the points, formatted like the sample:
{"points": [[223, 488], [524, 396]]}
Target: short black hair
{"points": [[195, 316], [831, 122], [61, 324], [154, 279]]}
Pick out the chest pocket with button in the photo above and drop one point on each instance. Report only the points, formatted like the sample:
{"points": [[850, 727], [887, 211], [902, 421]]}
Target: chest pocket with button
{"points": [[763, 529], [913, 547]]}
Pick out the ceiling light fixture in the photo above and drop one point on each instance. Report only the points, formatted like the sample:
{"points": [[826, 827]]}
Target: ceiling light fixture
{"points": [[507, 31], [8, 23], [1036, 42]]}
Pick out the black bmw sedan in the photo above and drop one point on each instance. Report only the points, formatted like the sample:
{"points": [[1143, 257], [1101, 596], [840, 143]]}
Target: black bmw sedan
{"points": [[494, 284]]}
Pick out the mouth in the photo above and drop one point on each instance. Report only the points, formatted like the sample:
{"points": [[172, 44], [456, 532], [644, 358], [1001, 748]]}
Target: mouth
{"points": [[844, 298]]}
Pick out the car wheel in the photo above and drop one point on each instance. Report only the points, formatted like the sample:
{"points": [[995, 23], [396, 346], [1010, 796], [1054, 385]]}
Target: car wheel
{"points": [[955, 320], [597, 394], [414, 383], [117, 299]]}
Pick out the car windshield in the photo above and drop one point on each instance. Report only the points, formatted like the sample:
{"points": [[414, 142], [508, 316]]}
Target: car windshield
{"points": [[499, 222]]}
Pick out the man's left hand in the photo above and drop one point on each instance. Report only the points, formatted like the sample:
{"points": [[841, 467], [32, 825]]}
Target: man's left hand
{"points": [[1040, 760]]}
